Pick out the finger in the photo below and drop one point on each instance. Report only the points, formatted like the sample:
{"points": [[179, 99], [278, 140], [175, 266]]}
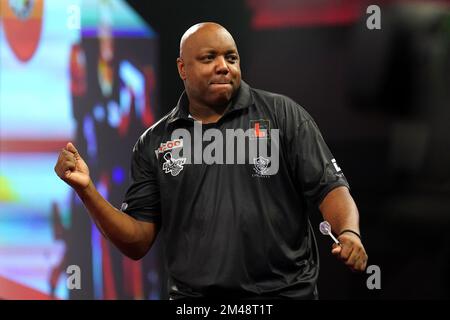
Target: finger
{"points": [[67, 168], [63, 157], [346, 251], [364, 264], [70, 147], [68, 156], [336, 249], [361, 262], [353, 259], [360, 265], [69, 165]]}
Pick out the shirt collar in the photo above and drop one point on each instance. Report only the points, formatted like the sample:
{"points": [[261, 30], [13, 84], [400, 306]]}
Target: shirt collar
{"points": [[243, 99]]}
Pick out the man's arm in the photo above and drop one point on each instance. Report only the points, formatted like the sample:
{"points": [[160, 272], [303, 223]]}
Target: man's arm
{"points": [[132, 237], [339, 209]]}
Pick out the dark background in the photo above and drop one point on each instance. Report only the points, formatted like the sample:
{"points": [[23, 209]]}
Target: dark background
{"points": [[380, 98]]}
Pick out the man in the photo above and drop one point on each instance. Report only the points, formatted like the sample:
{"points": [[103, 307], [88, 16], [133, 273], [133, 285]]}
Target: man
{"points": [[237, 227]]}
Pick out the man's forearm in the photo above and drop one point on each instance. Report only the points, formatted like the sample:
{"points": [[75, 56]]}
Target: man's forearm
{"points": [[121, 229], [339, 209]]}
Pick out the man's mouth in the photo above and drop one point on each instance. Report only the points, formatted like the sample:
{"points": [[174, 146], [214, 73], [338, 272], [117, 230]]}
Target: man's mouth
{"points": [[223, 82]]}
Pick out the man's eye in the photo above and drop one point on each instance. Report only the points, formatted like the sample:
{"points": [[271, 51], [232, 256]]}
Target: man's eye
{"points": [[232, 58], [208, 57]]}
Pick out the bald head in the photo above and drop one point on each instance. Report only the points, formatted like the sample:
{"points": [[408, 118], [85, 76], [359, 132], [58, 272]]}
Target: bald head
{"points": [[198, 32]]}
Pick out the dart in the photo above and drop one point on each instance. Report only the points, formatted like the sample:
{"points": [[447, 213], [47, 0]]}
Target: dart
{"points": [[325, 228]]}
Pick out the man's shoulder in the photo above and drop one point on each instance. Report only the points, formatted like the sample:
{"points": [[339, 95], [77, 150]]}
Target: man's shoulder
{"points": [[280, 104], [156, 130], [270, 96], [160, 126]]}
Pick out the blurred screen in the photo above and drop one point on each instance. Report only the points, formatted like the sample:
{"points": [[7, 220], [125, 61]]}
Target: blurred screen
{"points": [[80, 71]]}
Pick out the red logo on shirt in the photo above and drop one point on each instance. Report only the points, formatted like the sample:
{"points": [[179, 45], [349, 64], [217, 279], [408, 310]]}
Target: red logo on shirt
{"points": [[260, 129], [169, 145]]}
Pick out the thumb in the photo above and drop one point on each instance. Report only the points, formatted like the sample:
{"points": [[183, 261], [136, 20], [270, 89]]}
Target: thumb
{"points": [[336, 249], [70, 147]]}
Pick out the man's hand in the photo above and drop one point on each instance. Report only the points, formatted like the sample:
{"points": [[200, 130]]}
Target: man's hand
{"points": [[351, 252], [72, 169]]}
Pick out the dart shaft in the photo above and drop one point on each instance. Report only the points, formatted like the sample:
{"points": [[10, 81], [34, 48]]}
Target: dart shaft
{"points": [[334, 238]]}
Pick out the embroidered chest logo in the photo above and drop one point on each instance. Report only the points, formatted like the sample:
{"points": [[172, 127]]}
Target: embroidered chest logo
{"points": [[173, 166], [169, 145], [261, 165], [260, 129]]}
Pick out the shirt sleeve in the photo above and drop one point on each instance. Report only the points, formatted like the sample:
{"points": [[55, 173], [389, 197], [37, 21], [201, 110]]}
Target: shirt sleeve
{"points": [[142, 199], [315, 168]]}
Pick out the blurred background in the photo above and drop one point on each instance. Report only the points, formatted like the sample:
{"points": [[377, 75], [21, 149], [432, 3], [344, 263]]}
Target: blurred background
{"points": [[99, 72]]}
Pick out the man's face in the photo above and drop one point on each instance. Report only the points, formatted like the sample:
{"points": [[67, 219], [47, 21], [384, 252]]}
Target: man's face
{"points": [[209, 66]]}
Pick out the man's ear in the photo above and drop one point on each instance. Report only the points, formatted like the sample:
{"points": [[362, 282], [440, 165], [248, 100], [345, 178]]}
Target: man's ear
{"points": [[181, 70]]}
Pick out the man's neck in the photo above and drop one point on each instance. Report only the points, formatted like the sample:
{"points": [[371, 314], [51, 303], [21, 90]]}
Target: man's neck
{"points": [[207, 114]]}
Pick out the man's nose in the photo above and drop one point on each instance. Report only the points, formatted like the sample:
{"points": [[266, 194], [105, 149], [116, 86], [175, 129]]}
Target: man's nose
{"points": [[221, 65]]}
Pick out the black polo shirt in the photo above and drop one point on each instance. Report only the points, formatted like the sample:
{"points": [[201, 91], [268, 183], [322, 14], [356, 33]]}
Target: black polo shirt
{"points": [[233, 229]]}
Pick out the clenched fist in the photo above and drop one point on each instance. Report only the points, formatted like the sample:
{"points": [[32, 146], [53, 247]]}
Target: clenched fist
{"points": [[351, 252], [71, 168]]}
